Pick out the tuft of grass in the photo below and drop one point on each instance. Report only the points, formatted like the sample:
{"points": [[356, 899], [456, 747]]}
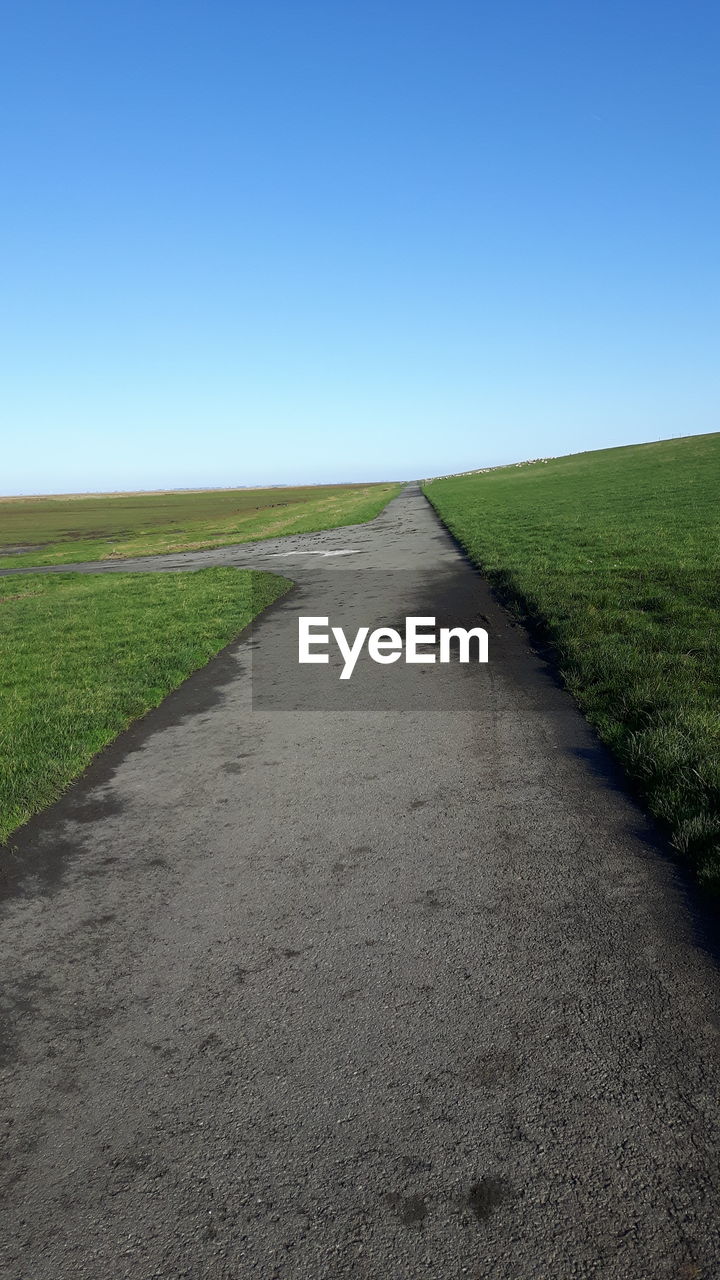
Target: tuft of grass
{"points": [[82, 655], [615, 557], [70, 530]]}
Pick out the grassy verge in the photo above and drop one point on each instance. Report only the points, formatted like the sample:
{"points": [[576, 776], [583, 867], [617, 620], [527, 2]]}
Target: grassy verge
{"points": [[69, 530], [616, 555], [81, 656]]}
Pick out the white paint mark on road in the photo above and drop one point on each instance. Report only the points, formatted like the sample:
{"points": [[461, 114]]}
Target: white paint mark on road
{"points": [[314, 553]]}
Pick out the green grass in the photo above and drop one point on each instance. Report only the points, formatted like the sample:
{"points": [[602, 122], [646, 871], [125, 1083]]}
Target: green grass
{"points": [[81, 656], [616, 556], [67, 530]]}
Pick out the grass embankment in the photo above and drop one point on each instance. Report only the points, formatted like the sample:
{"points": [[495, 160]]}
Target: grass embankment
{"points": [[616, 554], [81, 656], [67, 530]]}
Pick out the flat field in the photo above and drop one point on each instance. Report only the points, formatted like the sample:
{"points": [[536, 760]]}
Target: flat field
{"points": [[67, 530], [82, 655], [615, 557]]}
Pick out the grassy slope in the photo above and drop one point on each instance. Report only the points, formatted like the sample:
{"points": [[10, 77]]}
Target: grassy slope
{"points": [[83, 655], [70, 530], [617, 554]]}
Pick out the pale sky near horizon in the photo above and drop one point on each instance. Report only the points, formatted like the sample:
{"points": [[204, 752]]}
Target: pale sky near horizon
{"points": [[261, 242]]}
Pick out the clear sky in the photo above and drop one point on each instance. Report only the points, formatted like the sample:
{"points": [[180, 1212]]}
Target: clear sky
{"points": [[253, 242]]}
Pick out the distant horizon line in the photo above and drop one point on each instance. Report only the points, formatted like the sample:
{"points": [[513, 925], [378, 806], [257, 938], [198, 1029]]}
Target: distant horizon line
{"points": [[207, 488], [339, 484]]}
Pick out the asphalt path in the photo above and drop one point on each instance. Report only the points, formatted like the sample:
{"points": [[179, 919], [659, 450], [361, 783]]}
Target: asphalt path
{"points": [[385, 979]]}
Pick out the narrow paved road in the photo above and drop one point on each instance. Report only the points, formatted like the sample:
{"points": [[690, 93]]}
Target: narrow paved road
{"points": [[394, 984]]}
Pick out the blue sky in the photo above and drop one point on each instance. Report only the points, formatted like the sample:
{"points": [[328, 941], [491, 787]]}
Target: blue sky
{"points": [[259, 242]]}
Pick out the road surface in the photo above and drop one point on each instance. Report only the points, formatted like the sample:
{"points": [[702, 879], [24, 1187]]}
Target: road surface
{"points": [[403, 987]]}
